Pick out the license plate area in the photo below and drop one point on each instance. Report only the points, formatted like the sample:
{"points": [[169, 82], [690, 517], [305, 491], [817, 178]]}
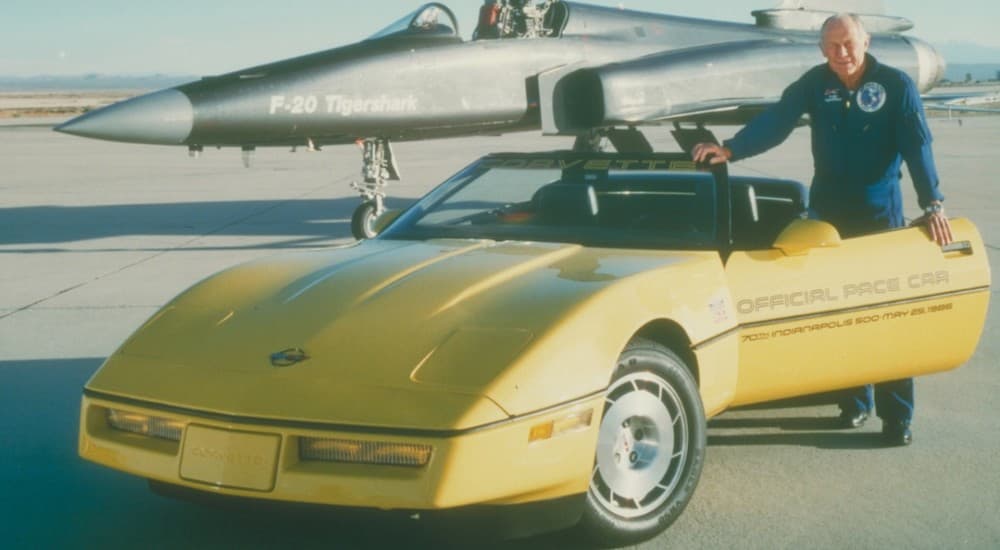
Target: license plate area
{"points": [[225, 458]]}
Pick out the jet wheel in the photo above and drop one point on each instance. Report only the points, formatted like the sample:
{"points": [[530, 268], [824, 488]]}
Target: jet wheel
{"points": [[363, 221], [650, 447]]}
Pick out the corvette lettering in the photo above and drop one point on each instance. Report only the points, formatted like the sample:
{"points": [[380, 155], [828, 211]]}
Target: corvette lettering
{"points": [[343, 105], [594, 164], [879, 287]]}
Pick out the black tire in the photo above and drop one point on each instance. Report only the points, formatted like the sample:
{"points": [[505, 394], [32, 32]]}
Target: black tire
{"points": [[650, 449], [363, 221]]}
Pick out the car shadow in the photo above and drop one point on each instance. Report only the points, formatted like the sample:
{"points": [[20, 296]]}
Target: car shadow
{"points": [[54, 499], [796, 423], [829, 440], [765, 427], [47, 484]]}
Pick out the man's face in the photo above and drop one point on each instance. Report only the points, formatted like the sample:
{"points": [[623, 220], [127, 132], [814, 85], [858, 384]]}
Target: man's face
{"points": [[844, 46]]}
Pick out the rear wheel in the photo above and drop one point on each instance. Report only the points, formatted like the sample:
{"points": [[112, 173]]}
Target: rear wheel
{"points": [[650, 448]]}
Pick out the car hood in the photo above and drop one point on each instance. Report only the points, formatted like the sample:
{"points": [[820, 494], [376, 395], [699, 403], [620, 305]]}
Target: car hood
{"points": [[383, 333]]}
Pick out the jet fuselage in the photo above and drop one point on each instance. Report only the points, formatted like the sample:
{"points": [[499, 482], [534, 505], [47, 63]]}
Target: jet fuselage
{"points": [[418, 84]]}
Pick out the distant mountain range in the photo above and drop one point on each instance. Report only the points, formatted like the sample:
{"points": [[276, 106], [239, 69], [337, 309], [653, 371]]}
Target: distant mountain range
{"points": [[90, 82], [973, 72]]}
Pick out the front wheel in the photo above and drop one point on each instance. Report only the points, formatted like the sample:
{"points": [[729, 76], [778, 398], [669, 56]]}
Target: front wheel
{"points": [[363, 221], [650, 447]]}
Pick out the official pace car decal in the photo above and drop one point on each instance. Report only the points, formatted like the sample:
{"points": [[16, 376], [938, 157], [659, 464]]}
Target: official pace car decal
{"points": [[833, 296], [809, 327], [871, 97], [842, 297]]}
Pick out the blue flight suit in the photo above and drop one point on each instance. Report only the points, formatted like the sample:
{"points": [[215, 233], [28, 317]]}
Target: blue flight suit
{"points": [[859, 140]]}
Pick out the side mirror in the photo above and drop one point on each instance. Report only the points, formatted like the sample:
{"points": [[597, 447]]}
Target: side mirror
{"points": [[800, 236], [385, 219]]}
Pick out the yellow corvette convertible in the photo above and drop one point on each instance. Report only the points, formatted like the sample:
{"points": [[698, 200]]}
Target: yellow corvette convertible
{"points": [[541, 331]]}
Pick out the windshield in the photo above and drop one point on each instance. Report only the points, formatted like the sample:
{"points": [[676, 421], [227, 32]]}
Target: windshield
{"points": [[430, 18], [597, 202]]}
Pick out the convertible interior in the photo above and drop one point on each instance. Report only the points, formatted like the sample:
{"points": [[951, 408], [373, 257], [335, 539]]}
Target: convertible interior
{"points": [[761, 208]]}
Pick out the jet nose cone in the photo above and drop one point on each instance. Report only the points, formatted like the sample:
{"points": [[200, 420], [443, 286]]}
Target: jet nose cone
{"points": [[162, 118]]}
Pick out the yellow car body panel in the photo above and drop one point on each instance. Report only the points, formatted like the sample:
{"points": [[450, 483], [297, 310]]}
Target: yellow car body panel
{"points": [[810, 323], [524, 315], [496, 355], [520, 314], [525, 471]]}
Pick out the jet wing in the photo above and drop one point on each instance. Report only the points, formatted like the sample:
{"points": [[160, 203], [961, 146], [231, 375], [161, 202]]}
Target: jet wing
{"points": [[738, 111], [985, 102], [809, 15], [961, 109]]}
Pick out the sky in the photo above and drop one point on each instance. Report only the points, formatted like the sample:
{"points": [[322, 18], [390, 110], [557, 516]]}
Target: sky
{"points": [[203, 37]]}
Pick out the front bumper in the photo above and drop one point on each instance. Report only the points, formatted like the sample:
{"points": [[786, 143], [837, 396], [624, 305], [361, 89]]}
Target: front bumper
{"points": [[258, 459]]}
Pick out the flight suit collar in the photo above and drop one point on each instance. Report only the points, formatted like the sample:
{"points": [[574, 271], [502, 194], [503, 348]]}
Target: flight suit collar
{"points": [[872, 67]]}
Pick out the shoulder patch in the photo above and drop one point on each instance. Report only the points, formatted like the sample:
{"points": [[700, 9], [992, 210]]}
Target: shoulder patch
{"points": [[871, 97]]}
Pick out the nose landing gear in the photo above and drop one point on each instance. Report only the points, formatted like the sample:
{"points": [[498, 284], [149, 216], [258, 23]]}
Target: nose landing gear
{"points": [[378, 166]]}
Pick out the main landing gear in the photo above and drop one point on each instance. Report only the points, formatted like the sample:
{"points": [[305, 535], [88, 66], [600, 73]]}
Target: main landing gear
{"points": [[378, 166]]}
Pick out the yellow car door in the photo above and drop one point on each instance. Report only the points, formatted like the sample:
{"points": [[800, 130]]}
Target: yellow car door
{"points": [[818, 313]]}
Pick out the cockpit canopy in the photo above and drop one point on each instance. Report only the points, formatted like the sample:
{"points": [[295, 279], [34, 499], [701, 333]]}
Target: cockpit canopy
{"points": [[431, 19]]}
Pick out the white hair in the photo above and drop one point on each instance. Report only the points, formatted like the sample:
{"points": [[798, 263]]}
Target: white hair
{"points": [[846, 18]]}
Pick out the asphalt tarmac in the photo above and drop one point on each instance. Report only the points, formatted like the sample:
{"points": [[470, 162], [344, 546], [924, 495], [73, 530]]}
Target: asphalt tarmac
{"points": [[95, 236]]}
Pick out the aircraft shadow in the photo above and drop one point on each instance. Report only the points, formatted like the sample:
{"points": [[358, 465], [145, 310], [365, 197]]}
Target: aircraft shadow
{"points": [[304, 221]]}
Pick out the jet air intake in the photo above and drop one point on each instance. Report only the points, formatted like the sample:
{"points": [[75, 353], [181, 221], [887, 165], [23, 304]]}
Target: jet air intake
{"points": [[674, 85]]}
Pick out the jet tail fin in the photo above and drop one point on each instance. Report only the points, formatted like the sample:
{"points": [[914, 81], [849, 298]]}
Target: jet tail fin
{"points": [[809, 15], [984, 102], [873, 7]]}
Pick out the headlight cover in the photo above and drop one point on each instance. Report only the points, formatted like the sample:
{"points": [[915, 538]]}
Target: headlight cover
{"points": [[144, 424], [353, 451]]}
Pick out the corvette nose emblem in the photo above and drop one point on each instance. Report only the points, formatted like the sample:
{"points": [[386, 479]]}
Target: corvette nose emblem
{"points": [[288, 357]]}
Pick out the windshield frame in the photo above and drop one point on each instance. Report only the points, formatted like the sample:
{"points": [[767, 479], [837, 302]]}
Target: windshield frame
{"points": [[406, 25], [406, 226]]}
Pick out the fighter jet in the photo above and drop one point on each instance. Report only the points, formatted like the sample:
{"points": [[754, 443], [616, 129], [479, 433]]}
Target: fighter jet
{"points": [[566, 68]]}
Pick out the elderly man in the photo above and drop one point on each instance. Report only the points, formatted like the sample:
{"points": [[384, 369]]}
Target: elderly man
{"points": [[865, 118]]}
